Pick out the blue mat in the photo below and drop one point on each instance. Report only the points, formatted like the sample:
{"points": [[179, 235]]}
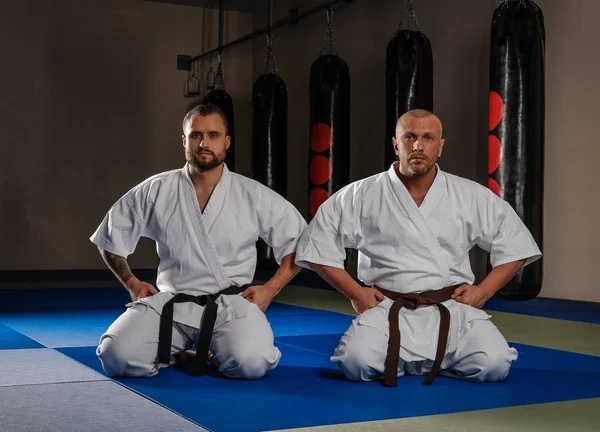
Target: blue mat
{"points": [[84, 328], [285, 309], [78, 299], [62, 329], [306, 389], [549, 308], [11, 339]]}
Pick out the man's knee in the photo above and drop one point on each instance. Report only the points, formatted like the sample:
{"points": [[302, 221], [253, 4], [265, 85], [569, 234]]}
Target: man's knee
{"points": [[360, 354], [122, 358], [249, 361], [485, 356], [492, 365], [495, 365]]}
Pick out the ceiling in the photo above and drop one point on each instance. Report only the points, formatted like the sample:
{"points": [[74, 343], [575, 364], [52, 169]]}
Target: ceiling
{"points": [[230, 5]]}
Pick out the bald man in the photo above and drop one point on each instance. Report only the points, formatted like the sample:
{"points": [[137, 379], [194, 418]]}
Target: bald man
{"points": [[419, 311]]}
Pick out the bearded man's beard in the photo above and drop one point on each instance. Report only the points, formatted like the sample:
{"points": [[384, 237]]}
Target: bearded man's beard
{"points": [[200, 160]]}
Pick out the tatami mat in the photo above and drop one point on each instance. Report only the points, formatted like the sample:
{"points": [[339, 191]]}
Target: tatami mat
{"points": [[41, 366], [12, 339], [571, 416], [560, 334], [307, 389], [552, 382], [549, 308], [85, 407], [63, 329]]}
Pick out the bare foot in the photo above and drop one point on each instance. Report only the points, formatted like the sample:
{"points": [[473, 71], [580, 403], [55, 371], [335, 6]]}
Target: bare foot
{"points": [[189, 356], [186, 357]]}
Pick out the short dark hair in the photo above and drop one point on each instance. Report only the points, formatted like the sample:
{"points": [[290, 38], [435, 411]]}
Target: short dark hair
{"points": [[204, 110]]}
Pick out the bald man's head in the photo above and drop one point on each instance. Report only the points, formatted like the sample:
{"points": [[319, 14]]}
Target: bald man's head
{"points": [[405, 118], [418, 142]]}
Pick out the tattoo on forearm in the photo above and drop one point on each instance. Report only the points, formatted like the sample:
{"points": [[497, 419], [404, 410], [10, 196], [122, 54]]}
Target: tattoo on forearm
{"points": [[118, 265]]}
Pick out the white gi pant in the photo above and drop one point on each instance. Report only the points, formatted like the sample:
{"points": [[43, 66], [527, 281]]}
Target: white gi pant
{"points": [[476, 349], [242, 342]]}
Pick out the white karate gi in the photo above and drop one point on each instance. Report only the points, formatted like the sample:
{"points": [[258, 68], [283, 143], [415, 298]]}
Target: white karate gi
{"points": [[200, 253], [408, 248]]}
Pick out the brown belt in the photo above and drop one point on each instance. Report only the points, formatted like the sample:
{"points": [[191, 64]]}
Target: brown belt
{"points": [[413, 301]]}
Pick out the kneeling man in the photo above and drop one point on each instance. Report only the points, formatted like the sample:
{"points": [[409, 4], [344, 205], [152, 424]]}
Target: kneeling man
{"points": [[205, 221], [413, 227]]}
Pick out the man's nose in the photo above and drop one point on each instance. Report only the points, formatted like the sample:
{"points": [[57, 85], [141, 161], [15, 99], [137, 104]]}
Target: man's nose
{"points": [[417, 145]]}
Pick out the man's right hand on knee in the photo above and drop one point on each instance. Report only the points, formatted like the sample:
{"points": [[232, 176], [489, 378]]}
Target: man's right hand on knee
{"points": [[139, 289], [365, 299]]}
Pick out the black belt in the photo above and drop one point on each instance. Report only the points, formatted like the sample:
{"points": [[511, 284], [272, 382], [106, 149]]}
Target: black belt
{"points": [[207, 324]]}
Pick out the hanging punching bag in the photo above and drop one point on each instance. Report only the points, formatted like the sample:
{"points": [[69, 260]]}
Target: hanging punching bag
{"points": [[516, 126], [269, 139], [218, 96], [329, 149], [408, 76]]}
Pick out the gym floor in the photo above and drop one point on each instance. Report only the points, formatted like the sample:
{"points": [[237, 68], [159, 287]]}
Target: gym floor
{"points": [[51, 379]]}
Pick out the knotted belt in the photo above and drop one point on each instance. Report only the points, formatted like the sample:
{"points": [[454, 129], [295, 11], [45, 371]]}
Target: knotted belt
{"points": [[413, 301], [207, 324]]}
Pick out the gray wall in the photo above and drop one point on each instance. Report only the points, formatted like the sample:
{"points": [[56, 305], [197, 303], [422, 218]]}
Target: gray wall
{"points": [[91, 104]]}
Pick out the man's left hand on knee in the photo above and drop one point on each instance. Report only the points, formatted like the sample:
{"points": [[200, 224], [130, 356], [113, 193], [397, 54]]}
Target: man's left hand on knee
{"points": [[472, 295], [260, 295]]}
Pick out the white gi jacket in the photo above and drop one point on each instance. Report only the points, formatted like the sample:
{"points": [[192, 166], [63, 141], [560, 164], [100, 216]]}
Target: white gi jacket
{"points": [[200, 253], [406, 248]]}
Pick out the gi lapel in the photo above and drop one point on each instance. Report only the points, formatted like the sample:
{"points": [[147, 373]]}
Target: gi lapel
{"points": [[434, 195], [418, 219], [208, 249], [217, 199]]}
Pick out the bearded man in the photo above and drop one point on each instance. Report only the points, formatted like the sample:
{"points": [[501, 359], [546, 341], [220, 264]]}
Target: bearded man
{"points": [[205, 221]]}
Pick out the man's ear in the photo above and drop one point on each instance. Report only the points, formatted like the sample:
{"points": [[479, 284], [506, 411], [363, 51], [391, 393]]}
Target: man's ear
{"points": [[442, 141]]}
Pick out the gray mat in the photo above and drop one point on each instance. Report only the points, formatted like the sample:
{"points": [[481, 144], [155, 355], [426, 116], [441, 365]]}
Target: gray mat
{"points": [[41, 366], [102, 406]]}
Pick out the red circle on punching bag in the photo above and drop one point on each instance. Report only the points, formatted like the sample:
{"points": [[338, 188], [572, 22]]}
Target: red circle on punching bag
{"points": [[496, 110], [320, 170], [316, 197], [321, 137], [494, 153], [494, 187]]}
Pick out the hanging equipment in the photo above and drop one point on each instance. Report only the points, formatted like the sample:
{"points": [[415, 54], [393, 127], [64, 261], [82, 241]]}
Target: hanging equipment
{"points": [[269, 138], [408, 77], [218, 96], [329, 149], [516, 126]]}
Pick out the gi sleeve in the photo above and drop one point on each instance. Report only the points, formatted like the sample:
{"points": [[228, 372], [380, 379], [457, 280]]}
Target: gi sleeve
{"points": [[122, 226], [323, 241], [503, 234], [280, 224]]}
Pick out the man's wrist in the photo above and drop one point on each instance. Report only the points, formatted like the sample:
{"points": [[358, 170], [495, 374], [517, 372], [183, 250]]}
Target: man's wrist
{"points": [[488, 289], [356, 292], [131, 282], [272, 288]]}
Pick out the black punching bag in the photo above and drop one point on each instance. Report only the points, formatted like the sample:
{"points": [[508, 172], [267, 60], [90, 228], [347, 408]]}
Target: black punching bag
{"points": [[516, 126], [218, 96], [269, 139], [408, 76], [329, 150]]}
